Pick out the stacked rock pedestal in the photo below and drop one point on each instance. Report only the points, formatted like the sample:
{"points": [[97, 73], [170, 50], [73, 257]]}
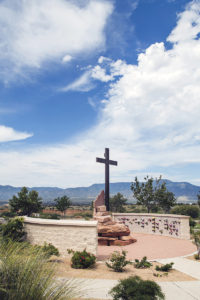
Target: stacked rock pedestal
{"points": [[110, 233]]}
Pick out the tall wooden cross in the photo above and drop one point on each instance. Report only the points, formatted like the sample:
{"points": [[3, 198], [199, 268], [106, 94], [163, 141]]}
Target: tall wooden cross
{"points": [[107, 162]]}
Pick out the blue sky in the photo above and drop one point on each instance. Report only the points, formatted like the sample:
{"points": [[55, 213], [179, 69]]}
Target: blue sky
{"points": [[77, 76]]}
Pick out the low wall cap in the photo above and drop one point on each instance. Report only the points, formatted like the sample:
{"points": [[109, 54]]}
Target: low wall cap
{"points": [[40, 221], [152, 215]]}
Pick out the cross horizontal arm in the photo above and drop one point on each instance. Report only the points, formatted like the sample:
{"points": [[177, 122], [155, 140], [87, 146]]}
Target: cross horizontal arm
{"points": [[113, 162], [100, 160]]}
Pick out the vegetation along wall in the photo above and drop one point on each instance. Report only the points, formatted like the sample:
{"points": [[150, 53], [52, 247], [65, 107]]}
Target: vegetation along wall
{"points": [[63, 234], [169, 225]]}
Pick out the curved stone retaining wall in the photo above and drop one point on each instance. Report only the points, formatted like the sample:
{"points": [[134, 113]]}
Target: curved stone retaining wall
{"points": [[63, 234], [161, 224]]}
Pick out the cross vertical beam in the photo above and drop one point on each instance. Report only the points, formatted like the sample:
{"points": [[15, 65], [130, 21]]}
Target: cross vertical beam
{"points": [[107, 179], [107, 162]]}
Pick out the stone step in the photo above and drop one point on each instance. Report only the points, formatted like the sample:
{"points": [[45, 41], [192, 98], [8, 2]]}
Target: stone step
{"points": [[109, 223], [106, 241], [102, 213], [103, 219], [101, 208]]}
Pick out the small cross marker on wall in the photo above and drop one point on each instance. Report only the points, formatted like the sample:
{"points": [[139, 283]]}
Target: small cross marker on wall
{"points": [[107, 163]]}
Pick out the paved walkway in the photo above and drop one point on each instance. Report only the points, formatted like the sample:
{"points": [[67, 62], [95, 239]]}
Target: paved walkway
{"points": [[184, 265], [152, 246], [189, 290], [99, 289], [184, 290]]}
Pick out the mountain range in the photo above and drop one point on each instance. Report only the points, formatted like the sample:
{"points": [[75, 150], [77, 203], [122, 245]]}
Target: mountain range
{"points": [[184, 192]]}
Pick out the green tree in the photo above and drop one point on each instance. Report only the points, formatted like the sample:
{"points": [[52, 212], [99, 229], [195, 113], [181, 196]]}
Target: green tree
{"points": [[164, 198], [144, 192], [152, 194], [117, 203], [62, 203], [198, 199], [26, 203]]}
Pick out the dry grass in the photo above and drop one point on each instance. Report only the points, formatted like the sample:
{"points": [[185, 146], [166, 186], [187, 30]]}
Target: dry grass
{"points": [[101, 271]]}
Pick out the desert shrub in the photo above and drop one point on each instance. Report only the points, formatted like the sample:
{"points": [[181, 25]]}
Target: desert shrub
{"points": [[135, 288], [197, 226], [26, 275], [189, 210], [85, 215], [137, 209], [197, 242], [118, 261], [50, 216], [8, 214], [13, 229], [82, 259], [165, 268], [143, 264], [192, 223], [50, 250], [47, 249], [196, 256]]}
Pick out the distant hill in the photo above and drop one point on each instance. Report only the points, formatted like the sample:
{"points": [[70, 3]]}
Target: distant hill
{"points": [[184, 191]]}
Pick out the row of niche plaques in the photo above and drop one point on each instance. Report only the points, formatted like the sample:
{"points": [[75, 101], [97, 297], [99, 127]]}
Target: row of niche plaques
{"points": [[157, 224]]}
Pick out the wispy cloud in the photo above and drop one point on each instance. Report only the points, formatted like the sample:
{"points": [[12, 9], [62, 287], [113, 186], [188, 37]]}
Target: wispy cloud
{"points": [[8, 134], [92, 102], [82, 84]]}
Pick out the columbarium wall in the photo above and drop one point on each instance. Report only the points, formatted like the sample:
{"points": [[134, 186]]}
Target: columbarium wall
{"points": [[161, 224]]}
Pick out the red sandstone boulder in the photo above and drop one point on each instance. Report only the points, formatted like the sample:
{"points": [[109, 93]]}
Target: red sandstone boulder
{"points": [[113, 230], [110, 233], [128, 238], [121, 243]]}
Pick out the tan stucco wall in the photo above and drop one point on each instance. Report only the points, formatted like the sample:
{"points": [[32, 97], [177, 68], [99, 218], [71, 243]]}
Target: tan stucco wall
{"points": [[168, 225], [63, 234]]}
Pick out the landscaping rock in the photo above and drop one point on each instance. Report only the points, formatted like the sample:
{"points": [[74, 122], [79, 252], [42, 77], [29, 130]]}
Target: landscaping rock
{"points": [[110, 233], [115, 230]]}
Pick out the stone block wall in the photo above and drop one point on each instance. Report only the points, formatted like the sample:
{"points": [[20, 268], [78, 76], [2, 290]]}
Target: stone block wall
{"points": [[162, 224], [63, 234]]}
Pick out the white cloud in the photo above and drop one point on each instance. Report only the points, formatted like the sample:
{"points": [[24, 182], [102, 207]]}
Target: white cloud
{"points": [[67, 58], [82, 84], [34, 32], [100, 74], [103, 59], [150, 119], [8, 134], [106, 73]]}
